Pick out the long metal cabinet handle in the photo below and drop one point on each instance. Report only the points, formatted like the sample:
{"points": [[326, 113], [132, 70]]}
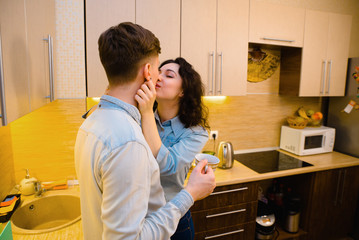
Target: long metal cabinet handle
{"points": [[229, 191], [278, 39], [221, 72], [343, 185], [338, 187], [324, 63], [329, 76], [3, 115], [51, 68], [211, 90], [224, 234], [226, 213]]}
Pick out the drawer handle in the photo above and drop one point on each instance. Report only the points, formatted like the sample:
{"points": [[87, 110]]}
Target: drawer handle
{"points": [[224, 234], [229, 191], [278, 39], [226, 213]]}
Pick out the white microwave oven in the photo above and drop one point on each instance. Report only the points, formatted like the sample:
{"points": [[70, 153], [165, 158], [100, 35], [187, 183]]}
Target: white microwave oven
{"points": [[307, 141]]}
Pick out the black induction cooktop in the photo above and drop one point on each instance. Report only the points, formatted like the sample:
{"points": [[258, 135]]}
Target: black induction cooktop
{"points": [[269, 161]]}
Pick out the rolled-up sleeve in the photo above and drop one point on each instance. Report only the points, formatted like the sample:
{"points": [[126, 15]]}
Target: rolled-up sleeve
{"points": [[182, 153]]}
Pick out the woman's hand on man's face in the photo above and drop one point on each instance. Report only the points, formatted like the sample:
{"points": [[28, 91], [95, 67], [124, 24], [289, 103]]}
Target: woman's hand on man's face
{"points": [[146, 97]]}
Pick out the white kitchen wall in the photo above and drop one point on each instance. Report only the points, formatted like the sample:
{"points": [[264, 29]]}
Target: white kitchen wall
{"points": [[70, 49]]}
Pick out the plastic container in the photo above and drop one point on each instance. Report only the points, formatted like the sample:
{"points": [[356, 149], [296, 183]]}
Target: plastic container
{"points": [[6, 217]]}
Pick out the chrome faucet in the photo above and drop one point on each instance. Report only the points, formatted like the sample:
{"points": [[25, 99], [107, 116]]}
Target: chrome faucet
{"points": [[39, 190]]}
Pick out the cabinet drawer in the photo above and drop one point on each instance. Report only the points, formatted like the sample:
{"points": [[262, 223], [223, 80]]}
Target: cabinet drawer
{"points": [[228, 195], [224, 217], [238, 232]]}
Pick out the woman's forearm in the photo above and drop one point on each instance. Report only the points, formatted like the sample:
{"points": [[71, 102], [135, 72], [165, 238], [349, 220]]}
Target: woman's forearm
{"points": [[150, 132]]}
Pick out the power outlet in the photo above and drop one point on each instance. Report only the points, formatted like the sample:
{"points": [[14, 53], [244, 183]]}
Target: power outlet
{"points": [[213, 133]]}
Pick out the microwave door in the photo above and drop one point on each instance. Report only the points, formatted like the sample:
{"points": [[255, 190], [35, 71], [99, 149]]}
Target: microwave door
{"points": [[312, 143]]}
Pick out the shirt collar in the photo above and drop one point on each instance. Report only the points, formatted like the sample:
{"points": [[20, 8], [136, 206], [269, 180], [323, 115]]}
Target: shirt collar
{"points": [[107, 101], [175, 123]]}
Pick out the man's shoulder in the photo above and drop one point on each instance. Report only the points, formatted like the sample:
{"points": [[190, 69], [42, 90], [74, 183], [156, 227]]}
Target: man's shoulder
{"points": [[113, 127]]}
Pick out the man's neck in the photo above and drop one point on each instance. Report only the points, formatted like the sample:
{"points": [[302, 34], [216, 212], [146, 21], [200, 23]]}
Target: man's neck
{"points": [[126, 92]]}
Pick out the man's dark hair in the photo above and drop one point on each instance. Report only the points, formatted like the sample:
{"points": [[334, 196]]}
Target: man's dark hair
{"points": [[122, 50]]}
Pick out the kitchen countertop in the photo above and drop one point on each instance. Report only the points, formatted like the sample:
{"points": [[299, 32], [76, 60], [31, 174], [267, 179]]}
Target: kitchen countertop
{"points": [[237, 174]]}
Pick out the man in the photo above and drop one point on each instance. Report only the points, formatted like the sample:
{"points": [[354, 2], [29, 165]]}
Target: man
{"points": [[121, 195]]}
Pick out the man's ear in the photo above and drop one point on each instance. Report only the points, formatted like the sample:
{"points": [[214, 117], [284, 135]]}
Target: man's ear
{"points": [[146, 71]]}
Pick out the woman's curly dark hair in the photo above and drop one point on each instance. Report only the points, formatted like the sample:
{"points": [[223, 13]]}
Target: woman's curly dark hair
{"points": [[192, 111]]}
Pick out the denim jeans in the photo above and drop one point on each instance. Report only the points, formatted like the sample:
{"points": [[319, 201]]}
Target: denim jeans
{"points": [[185, 228]]}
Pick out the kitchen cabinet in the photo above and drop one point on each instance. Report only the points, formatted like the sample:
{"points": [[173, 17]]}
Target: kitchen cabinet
{"points": [[332, 203], [14, 59], [214, 39], [325, 54], [276, 24], [228, 213], [329, 200], [25, 55], [40, 22], [164, 22], [161, 17], [100, 15]]}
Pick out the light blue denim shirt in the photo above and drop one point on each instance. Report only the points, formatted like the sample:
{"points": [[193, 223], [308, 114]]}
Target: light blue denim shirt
{"points": [[178, 149], [121, 195]]}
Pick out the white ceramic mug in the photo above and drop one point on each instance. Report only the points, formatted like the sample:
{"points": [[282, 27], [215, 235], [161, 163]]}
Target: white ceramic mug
{"points": [[212, 160]]}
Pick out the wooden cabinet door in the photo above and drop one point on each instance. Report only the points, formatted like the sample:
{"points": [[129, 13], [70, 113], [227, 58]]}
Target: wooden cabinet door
{"points": [[198, 38], [100, 15], [333, 203], [314, 54], [14, 57], [276, 24], [337, 53], [325, 54], [342, 220], [232, 47], [40, 18], [322, 205], [163, 18]]}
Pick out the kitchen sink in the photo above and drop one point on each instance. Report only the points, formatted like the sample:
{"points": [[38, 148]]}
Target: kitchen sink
{"points": [[46, 214]]}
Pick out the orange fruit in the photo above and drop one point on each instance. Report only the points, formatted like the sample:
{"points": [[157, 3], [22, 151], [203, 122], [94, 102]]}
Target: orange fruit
{"points": [[317, 116]]}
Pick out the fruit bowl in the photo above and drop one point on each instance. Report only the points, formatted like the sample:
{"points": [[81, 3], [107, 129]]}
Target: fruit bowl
{"points": [[297, 122]]}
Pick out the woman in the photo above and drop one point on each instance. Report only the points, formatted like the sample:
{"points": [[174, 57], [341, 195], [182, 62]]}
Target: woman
{"points": [[176, 130]]}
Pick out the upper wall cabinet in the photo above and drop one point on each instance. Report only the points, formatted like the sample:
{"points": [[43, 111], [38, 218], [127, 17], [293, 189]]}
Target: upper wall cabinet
{"points": [[40, 15], [162, 17], [14, 60], [325, 54], [164, 22], [276, 24], [26, 56], [214, 39], [101, 15]]}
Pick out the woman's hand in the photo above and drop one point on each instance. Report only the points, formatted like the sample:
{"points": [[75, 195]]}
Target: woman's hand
{"points": [[146, 97]]}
